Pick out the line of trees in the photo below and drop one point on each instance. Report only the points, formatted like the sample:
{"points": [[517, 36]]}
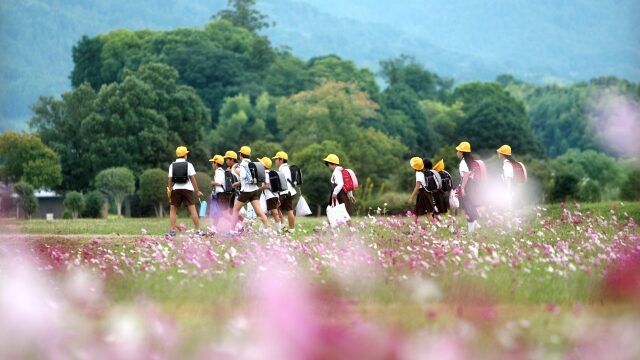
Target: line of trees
{"points": [[138, 94]]}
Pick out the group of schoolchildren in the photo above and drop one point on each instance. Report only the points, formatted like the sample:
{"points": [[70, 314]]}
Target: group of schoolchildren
{"points": [[243, 181], [240, 183], [433, 183]]}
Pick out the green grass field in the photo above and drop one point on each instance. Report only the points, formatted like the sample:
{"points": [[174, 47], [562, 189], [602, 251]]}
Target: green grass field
{"points": [[157, 226], [530, 293]]}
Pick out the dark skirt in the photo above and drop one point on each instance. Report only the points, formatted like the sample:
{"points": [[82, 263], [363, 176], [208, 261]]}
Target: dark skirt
{"points": [[424, 203], [343, 198], [441, 204]]}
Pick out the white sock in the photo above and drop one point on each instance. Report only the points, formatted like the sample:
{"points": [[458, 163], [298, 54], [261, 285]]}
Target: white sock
{"points": [[471, 226]]}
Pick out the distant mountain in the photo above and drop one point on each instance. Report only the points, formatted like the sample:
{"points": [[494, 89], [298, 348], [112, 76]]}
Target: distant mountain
{"points": [[569, 40], [534, 40]]}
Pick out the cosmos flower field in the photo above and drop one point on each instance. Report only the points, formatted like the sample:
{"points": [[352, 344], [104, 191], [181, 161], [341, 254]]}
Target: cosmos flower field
{"points": [[545, 284]]}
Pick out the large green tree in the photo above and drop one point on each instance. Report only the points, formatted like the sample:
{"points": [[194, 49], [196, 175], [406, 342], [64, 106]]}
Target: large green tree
{"points": [[405, 70], [26, 158], [241, 123], [137, 123], [59, 122], [493, 118], [335, 111], [242, 13]]}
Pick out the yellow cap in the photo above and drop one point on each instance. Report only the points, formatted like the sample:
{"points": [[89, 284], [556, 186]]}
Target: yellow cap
{"points": [[439, 166], [464, 147], [245, 150], [181, 151], [416, 163], [218, 159], [231, 155], [281, 155], [266, 162], [332, 158], [504, 150]]}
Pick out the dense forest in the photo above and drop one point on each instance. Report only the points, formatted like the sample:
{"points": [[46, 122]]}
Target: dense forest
{"points": [[138, 94], [538, 42]]}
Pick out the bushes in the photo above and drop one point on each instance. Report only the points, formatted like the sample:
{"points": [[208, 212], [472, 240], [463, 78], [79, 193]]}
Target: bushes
{"points": [[153, 183], [93, 203], [630, 189], [391, 203], [74, 203]]}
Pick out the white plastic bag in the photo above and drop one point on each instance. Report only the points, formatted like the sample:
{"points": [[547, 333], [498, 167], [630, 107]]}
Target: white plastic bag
{"points": [[263, 203], [337, 215], [302, 208], [454, 202]]}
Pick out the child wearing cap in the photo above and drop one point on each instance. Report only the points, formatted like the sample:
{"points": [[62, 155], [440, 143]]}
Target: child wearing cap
{"points": [[248, 192], [227, 198], [424, 200], [286, 197], [217, 184], [467, 189], [273, 201], [338, 195], [182, 192], [508, 173], [440, 196]]}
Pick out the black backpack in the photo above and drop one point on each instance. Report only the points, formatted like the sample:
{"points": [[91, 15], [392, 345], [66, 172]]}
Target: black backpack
{"points": [[257, 173], [278, 181], [296, 175], [432, 180], [180, 173], [229, 179], [447, 181]]}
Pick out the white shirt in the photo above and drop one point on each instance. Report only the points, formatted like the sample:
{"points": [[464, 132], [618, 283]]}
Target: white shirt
{"points": [[507, 170], [286, 171], [268, 194], [245, 186], [420, 178], [336, 178], [190, 172], [463, 168], [218, 177]]}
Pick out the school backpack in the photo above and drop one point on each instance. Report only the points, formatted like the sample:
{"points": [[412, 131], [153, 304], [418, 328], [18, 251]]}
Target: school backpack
{"points": [[447, 181], [180, 174], [478, 171], [519, 172], [229, 179], [296, 175], [256, 172], [278, 181], [432, 180], [349, 179]]}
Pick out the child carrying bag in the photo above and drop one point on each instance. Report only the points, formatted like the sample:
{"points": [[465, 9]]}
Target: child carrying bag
{"points": [[337, 215]]}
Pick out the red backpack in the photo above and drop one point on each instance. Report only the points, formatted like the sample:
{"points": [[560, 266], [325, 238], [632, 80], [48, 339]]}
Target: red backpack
{"points": [[478, 171], [349, 179], [519, 172]]}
